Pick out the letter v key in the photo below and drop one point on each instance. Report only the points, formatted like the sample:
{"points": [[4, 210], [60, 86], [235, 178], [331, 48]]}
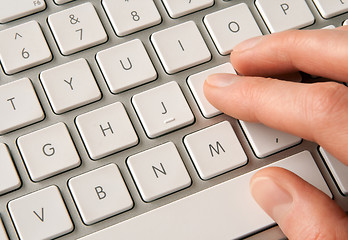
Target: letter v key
{"points": [[42, 215]]}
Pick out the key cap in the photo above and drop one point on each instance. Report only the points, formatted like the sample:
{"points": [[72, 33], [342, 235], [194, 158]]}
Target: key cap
{"points": [[180, 47], [329, 8], [162, 109], [19, 105], [41, 215], [9, 179], [230, 26], [266, 141], [179, 8], [100, 194], [11, 10], [3, 234], [337, 169], [215, 150], [158, 172], [228, 208], [196, 82], [70, 86], [128, 17], [104, 133], [22, 47], [48, 152], [284, 15], [329, 27], [126, 66], [77, 28], [62, 1]]}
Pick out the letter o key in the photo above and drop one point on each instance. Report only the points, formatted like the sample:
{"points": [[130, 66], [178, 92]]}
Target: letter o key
{"points": [[234, 27]]}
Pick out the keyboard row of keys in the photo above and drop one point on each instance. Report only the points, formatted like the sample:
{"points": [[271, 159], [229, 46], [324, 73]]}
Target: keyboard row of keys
{"points": [[228, 207], [102, 193], [79, 28]]}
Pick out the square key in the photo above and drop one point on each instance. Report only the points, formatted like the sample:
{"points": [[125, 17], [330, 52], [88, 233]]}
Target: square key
{"points": [[19, 105], [158, 171], [77, 28], [22, 47], [128, 16], [41, 215], [196, 82], [70, 85], [162, 109], [48, 151], [230, 26], [100, 194], [215, 150], [180, 47], [126, 66], [106, 130], [284, 15]]}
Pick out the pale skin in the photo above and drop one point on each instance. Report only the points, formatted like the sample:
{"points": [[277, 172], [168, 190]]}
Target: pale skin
{"points": [[317, 112]]}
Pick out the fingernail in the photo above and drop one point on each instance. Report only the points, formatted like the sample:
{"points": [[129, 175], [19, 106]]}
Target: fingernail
{"points": [[222, 79], [247, 44], [273, 198]]}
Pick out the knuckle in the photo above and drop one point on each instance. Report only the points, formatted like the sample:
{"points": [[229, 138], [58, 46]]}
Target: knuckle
{"points": [[323, 101]]}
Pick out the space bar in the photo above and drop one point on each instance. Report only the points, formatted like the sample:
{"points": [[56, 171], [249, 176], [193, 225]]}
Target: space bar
{"points": [[225, 211]]}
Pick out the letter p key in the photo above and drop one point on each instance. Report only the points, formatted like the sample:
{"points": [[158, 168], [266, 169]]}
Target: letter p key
{"points": [[285, 7]]}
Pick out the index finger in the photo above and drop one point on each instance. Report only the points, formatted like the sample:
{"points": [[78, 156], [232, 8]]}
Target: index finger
{"points": [[317, 52]]}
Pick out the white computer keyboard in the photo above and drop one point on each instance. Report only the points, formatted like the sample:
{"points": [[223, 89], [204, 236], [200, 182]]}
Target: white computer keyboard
{"points": [[105, 132]]}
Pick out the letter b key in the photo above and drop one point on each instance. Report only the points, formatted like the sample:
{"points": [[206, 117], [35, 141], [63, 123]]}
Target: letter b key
{"points": [[100, 194]]}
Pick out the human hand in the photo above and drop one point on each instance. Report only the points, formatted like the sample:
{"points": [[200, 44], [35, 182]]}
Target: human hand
{"points": [[317, 112]]}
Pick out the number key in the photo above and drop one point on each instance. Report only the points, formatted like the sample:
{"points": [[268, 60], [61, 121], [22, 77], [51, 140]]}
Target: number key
{"points": [[131, 16], [77, 28], [11, 10], [178, 8], [23, 47]]}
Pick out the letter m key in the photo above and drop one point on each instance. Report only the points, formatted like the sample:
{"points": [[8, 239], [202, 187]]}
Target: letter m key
{"points": [[216, 149]]}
